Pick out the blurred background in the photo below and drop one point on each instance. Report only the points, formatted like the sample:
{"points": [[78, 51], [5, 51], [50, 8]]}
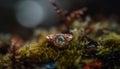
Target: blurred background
{"points": [[18, 16]]}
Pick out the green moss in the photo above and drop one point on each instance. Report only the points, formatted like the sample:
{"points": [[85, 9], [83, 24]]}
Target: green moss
{"points": [[72, 55], [43, 52]]}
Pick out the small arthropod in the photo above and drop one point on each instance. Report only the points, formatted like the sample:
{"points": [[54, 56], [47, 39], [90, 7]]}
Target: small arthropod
{"points": [[59, 40]]}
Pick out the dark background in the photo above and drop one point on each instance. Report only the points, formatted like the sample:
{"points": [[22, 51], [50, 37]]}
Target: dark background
{"points": [[9, 24]]}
